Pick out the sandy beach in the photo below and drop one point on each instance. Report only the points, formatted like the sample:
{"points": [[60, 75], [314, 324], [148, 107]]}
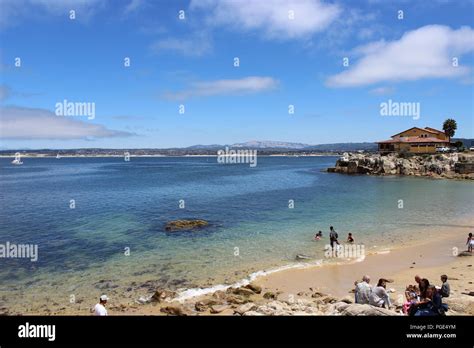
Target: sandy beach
{"points": [[429, 258]]}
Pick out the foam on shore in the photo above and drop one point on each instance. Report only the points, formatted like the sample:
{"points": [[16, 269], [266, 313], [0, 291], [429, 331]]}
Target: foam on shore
{"points": [[196, 292]]}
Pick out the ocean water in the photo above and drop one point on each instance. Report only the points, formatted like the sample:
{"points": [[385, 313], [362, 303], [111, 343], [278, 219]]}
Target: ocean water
{"points": [[123, 206]]}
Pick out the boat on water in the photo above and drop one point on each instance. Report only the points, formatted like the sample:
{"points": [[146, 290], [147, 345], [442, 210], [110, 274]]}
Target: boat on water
{"points": [[17, 162], [57, 156]]}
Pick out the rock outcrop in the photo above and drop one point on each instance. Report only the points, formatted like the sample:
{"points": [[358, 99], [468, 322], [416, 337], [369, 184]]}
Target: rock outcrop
{"points": [[251, 302], [437, 166], [178, 225]]}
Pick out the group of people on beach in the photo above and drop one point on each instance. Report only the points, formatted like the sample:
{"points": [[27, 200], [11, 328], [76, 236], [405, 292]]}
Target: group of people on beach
{"points": [[422, 299], [333, 237], [425, 299]]}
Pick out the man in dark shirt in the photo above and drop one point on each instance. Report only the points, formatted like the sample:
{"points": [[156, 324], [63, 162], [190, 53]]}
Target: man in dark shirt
{"points": [[333, 237]]}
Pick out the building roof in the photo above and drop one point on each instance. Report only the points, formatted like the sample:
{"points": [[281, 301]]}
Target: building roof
{"points": [[426, 129], [412, 140], [434, 130]]}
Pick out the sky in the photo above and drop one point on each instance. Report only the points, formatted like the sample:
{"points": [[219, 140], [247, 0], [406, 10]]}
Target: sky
{"points": [[310, 71]]}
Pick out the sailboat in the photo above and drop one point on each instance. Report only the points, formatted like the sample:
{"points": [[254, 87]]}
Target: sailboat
{"points": [[17, 161], [57, 156]]}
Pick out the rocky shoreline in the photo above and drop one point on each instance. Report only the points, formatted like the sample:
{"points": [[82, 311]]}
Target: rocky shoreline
{"points": [[251, 300], [448, 166]]}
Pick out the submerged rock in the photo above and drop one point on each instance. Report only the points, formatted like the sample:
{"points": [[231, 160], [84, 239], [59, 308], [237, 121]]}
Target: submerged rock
{"points": [[303, 257], [177, 225]]}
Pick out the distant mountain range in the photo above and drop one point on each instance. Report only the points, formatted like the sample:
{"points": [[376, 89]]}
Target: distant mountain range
{"points": [[263, 147], [467, 142], [275, 145], [281, 145]]}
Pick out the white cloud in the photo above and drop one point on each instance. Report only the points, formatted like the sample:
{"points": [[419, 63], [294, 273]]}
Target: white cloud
{"points": [[270, 17], [29, 123], [196, 45], [133, 6], [247, 85], [426, 52]]}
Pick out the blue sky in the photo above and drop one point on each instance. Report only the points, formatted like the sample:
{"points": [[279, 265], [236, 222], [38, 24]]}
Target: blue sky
{"points": [[291, 53]]}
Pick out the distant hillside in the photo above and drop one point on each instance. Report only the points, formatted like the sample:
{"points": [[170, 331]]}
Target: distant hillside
{"points": [[338, 147], [467, 142], [268, 144], [205, 147], [288, 146]]}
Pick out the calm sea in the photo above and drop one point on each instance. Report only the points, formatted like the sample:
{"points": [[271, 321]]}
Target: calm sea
{"points": [[113, 240]]}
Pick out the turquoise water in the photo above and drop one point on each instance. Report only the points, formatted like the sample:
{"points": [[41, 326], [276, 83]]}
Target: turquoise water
{"points": [[122, 205]]}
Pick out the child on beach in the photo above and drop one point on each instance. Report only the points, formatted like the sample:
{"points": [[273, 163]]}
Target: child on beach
{"points": [[411, 298], [470, 243], [318, 235], [411, 292], [349, 238], [445, 288]]}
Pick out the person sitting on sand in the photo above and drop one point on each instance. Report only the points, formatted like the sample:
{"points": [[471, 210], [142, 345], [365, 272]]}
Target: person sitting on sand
{"points": [[333, 237], [470, 242], [445, 288], [99, 308], [318, 235], [350, 239], [411, 298], [411, 291], [424, 284], [431, 305], [379, 296], [363, 290], [417, 286]]}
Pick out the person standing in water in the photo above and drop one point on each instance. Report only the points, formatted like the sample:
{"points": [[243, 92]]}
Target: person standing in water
{"points": [[350, 239], [333, 237]]}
